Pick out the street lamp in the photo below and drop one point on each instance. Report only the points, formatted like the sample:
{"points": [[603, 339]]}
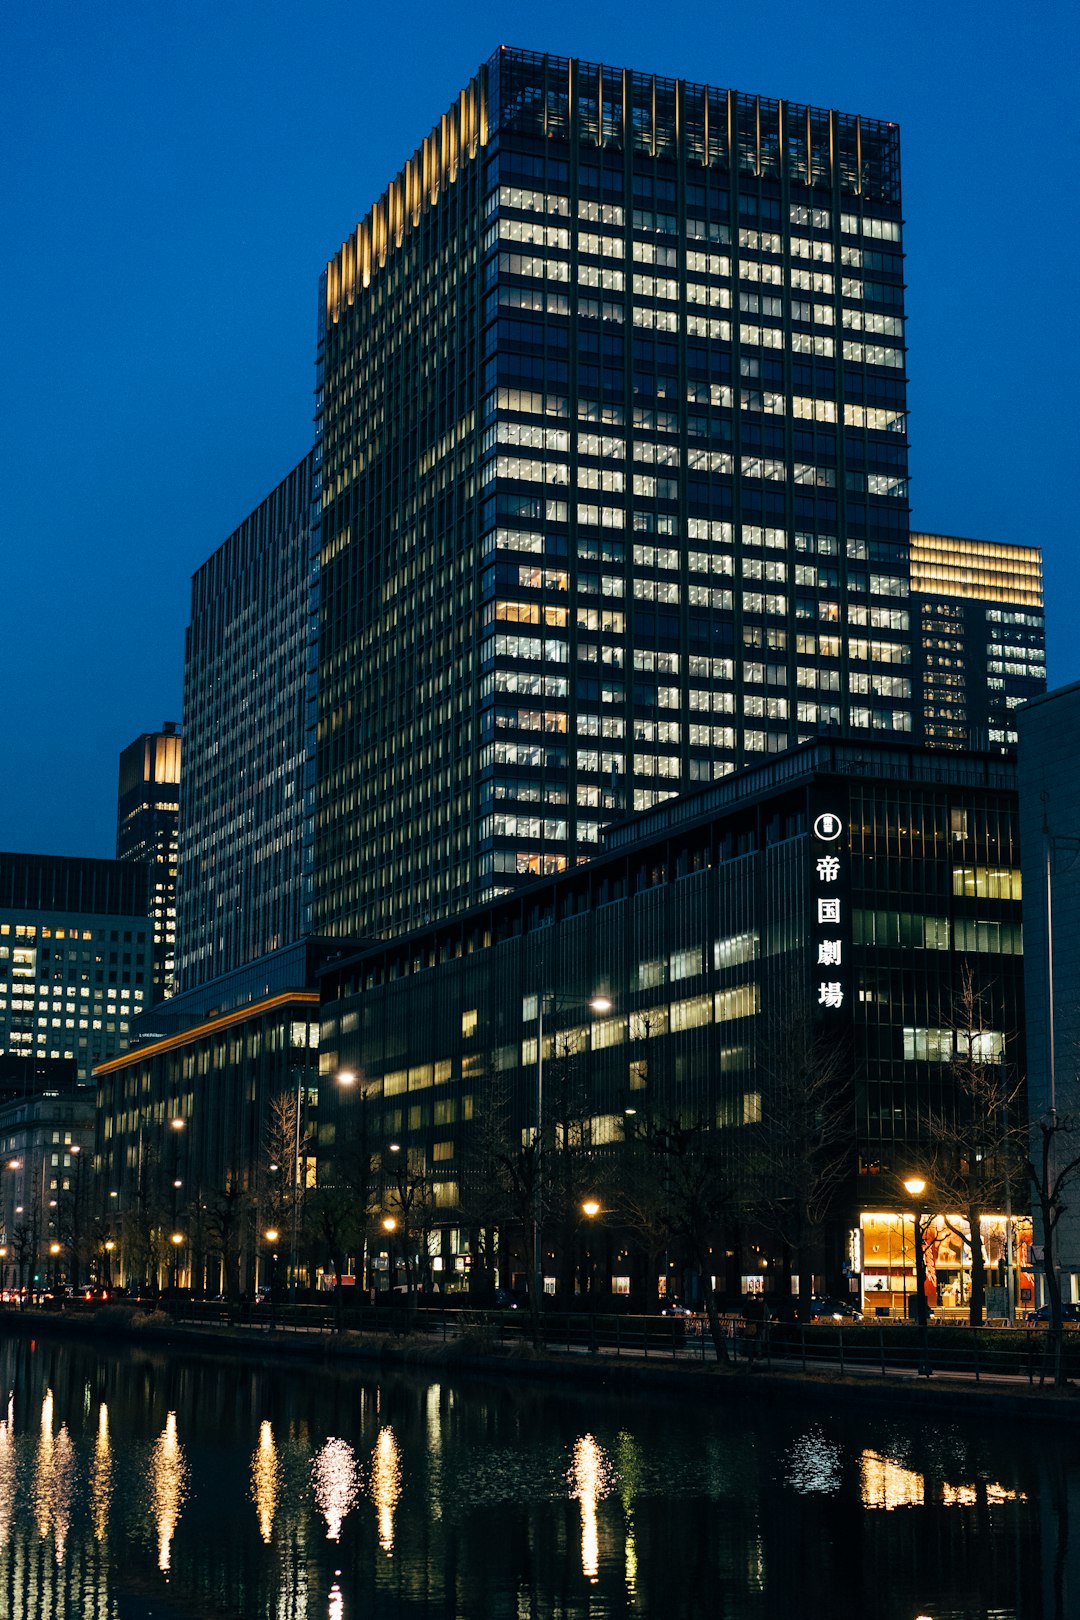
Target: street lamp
{"points": [[54, 1250], [176, 1240], [590, 1208], [109, 1248], [598, 1003], [915, 1187], [272, 1235]]}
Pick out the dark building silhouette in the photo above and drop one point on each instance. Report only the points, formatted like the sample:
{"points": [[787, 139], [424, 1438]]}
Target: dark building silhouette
{"points": [[147, 827]]}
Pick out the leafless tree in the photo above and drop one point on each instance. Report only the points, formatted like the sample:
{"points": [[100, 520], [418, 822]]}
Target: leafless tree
{"points": [[227, 1214], [802, 1148], [1053, 1169], [974, 1149]]}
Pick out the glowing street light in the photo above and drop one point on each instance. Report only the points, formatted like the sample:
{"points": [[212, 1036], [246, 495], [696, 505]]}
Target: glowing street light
{"points": [[389, 1224], [590, 1208], [915, 1187]]}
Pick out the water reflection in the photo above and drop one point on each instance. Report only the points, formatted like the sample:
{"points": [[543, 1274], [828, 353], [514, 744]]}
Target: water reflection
{"points": [[7, 1469], [265, 1480], [888, 1484], [335, 1478], [386, 1484], [54, 1477], [168, 1488], [590, 1474], [493, 1500], [101, 1476]]}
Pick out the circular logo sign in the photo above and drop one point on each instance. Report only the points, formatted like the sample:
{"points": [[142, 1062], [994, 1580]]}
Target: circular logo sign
{"points": [[828, 826]]}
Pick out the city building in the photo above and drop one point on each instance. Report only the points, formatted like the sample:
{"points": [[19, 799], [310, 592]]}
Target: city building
{"points": [[242, 839], [209, 1119], [1049, 762], [147, 823], [838, 900], [980, 641], [46, 1148], [611, 450], [76, 956]]}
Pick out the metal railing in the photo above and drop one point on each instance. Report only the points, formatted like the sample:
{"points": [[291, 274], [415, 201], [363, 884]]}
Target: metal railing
{"points": [[1022, 1354]]}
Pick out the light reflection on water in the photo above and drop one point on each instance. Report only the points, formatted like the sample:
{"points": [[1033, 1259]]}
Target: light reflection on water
{"points": [[335, 1479], [168, 1488], [267, 1496], [386, 1484]]}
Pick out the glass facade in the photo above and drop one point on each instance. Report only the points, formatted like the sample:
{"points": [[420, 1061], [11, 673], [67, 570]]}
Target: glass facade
{"points": [[859, 881], [980, 638], [612, 461], [241, 849], [147, 831]]}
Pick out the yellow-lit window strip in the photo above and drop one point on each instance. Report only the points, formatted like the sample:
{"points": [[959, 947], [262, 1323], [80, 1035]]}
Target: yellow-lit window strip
{"points": [[456, 139]]}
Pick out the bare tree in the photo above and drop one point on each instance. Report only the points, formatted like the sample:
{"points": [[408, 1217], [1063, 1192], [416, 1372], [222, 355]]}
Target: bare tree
{"points": [[568, 1168], [1052, 1170], [496, 1183], [411, 1199], [974, 1152], [641, 1198], [803, 1150], [692, 1165], [227, 1214], [336, 1224]]}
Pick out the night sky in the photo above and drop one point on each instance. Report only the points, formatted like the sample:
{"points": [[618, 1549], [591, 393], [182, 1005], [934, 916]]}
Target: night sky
{"points": [[175, 176]]}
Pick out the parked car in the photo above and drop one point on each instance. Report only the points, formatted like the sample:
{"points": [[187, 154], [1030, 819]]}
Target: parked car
{"points": [[1070, 1314], [834, 1310]]}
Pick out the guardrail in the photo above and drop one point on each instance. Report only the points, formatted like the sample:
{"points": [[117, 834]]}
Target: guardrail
{"points": [[1023, 1353]]}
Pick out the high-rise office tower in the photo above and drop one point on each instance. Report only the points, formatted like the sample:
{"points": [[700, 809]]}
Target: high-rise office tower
{"points": [[147, 822], [242, 849], [611, 450], [980, 642]]}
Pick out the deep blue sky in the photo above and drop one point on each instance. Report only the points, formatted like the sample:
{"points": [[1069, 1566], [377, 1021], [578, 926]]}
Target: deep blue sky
{"points": [[175, 175]]}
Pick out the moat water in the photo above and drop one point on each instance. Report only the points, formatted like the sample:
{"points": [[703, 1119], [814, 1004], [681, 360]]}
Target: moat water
{"points": [[135, 1484]]}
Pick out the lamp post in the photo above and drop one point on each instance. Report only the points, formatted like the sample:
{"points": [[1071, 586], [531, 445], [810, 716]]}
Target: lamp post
{"points": [[389, 1226], [176, 1240], [76, 1213], [915, 1187], [272, 1235], [54, 1251], [599, 1003], [347, 1079], [110, 1246]]}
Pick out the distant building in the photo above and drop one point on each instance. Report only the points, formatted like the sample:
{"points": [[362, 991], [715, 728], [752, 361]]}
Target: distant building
{"points": [[980, 644], [46, 1151], [76, 956], [1050, 840], [223, 1059], [240, 882], [147, 823]]}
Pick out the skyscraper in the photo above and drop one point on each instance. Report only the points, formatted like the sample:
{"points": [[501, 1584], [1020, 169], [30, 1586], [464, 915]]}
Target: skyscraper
{"points": [[242, 849], [980, 639], [147, 822], [611, 457]]}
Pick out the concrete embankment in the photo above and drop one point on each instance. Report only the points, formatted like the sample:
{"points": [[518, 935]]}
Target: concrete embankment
{"points": [[475, 1354]]}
